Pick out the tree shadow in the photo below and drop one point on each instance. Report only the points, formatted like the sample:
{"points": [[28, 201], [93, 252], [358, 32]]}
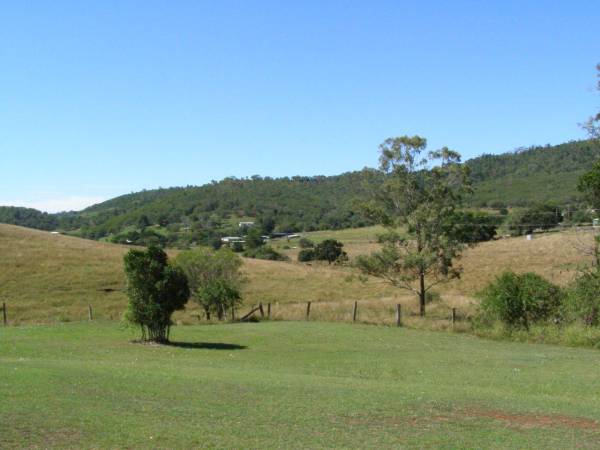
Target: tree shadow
{"points": [[207, 345]]}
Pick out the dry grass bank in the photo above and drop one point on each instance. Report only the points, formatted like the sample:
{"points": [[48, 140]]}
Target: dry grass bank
{"points": [[46, 277]]}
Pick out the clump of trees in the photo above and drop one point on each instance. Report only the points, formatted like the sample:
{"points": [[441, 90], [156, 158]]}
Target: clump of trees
{"points": [[215, 278], [329, 250], [255, 247], [543, 217], [156, 289], [417, 203]]}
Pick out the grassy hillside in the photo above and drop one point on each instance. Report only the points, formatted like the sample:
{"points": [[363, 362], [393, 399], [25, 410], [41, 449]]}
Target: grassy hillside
{"points": [[292, 385], [47, 278]]}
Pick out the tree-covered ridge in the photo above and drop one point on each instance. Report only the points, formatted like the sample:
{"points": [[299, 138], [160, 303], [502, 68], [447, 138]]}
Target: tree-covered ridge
{"points": [[533, 175], [28, 217], [288, 204], [521, 178]]}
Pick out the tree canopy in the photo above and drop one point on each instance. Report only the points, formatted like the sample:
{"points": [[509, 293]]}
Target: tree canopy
{"points": [[416, 202]]}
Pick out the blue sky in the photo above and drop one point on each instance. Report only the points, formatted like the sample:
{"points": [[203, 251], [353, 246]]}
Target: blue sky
{"points": [[99, 99]]}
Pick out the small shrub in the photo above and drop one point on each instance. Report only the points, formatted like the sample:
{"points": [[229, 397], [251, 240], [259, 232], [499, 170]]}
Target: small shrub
{"points": [[308, 254], [306, 243], [519, 300], [265, 252]]}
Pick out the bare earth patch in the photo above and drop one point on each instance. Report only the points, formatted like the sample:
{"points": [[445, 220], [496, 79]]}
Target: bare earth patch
{"points": [[534, 420], [523, 421]]}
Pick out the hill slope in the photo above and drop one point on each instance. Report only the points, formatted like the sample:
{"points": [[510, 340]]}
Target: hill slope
{"points": [[47, 278], [521, 178]]}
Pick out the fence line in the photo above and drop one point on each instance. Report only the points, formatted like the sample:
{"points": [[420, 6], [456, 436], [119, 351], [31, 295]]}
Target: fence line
{"points": [[395, 318]]}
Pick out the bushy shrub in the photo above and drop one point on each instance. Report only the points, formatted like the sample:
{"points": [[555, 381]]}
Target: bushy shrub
{"points": [[218, 295], [582, 302], [214, 277], [308, 254], [155, 289], [306, 243], [330, 250], [265, 252], [519, 300]]}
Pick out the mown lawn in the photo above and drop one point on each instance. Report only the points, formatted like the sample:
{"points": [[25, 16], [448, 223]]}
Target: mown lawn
{"points": [[292, 385]]}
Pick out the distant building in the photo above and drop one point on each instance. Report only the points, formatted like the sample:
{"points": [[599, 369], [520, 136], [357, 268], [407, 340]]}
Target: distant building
{"points": [[232, 239], [246, 224]]}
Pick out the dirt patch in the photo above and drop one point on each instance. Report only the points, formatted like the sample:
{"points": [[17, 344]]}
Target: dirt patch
{"points": [[533, 420], [523, 421]]}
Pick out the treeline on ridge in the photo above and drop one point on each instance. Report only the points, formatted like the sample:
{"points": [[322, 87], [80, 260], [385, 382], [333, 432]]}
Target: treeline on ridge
{"points": [[203, 213]]}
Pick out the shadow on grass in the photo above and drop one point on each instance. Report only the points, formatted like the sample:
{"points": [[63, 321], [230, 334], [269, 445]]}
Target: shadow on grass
{"points": [[207, 345]]}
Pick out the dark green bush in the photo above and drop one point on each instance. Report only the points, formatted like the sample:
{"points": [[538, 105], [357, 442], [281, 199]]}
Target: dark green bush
{"points": [[330, 250], [265, 252], [306, 243], [582, 302], [519, 300], [308, 254], [156, 289]]}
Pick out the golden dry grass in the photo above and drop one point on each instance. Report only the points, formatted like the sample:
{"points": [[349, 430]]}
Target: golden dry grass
{"points": [[47, 278]]}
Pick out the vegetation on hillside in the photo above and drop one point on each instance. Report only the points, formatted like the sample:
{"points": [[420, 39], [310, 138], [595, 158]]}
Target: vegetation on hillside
{"points": [[202, 214]]}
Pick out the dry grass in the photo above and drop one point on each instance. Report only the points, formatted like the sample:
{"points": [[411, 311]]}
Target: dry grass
{"points": [[47, 278]]}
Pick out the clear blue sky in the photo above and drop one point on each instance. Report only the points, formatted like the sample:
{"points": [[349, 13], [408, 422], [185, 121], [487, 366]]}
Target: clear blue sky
{"points": [[101, 98]]}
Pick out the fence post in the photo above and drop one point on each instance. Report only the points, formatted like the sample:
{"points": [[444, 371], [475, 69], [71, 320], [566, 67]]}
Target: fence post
{"points": [[4, 313], [262, 311], [268, 310], [453, 317], [398, 315], [354, 311], [307, 310], [90, 315], [233, 313]]}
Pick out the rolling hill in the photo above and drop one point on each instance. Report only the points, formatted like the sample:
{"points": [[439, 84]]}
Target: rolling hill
{"points": [[520, 178], [47, 277]]}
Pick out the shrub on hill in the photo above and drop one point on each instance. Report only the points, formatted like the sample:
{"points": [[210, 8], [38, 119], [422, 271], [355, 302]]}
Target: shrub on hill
{"points": [[306, 243], [582, 302], [519, 300], [265, 252], [305, 255], [329, 250]]}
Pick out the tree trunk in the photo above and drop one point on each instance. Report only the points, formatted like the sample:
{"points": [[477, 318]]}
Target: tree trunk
{"points": [[422, 294]]}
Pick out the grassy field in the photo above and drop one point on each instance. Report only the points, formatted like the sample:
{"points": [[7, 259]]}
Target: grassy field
{"points": [[49, 278], [291, 385]]}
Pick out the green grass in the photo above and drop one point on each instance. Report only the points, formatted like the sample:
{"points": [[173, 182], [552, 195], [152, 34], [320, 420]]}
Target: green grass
{"points": [[292, 385]]}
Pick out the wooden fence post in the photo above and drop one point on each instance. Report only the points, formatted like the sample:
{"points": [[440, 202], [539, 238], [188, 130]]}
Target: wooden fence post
{"points": [[4, 313], [354, 311], [233, 313], [268, 310], [90, 315], [262, 311], [398, 315], [307, 310], [453, 317]]}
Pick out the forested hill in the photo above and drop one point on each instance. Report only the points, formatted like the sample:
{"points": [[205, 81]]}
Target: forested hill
{"points": [[532, 175], [519, 178]]}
